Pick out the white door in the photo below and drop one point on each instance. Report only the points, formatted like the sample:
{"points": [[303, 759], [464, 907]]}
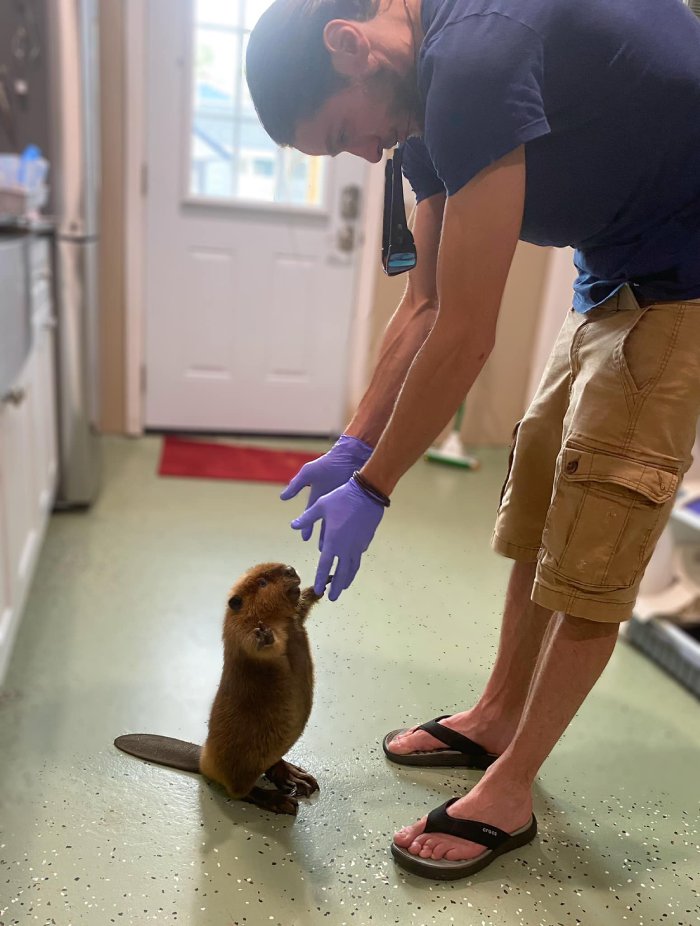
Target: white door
{"points": [[252, 251]]}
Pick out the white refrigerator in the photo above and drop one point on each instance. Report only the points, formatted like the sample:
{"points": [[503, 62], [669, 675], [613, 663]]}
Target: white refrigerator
{"points": [[72, 48]]}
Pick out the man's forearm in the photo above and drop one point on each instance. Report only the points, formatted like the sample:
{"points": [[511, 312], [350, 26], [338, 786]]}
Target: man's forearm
{"points": [[480, 230], [404, 337], [443, 372]]}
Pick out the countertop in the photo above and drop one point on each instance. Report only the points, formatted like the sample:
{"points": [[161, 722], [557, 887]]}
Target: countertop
{"points": [[13, 226]]}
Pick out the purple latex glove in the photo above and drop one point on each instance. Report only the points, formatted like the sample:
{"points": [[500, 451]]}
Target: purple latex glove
{"points": [[331, 470], [350, 518]]}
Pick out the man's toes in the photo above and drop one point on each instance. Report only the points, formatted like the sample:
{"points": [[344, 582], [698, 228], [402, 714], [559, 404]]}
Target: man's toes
{"points": [[453, 855], [399, 743], [428, 843], [440, 849], [408, 834], [412, 741], [463, 852]]}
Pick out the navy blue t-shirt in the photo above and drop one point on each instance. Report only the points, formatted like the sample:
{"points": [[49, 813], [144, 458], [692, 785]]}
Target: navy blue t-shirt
{"points": [[605, 96]]}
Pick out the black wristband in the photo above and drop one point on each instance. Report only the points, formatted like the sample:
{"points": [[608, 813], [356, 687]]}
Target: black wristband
{"points": [[370, 490]]}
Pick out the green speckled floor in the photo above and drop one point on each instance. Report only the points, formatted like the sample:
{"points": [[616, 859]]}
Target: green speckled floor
{"points": [[122, 633]]}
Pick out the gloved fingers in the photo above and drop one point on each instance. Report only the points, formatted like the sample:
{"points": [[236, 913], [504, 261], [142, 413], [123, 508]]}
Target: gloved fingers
{"points": [[344, 574], [354, 569], [296, 485], [306, 532], [305, 522], [321, 536], [338, 583], [314, 496], [325, 564]]}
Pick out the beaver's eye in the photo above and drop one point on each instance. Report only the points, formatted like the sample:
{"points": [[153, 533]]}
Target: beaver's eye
{"points": [[262, 583]]}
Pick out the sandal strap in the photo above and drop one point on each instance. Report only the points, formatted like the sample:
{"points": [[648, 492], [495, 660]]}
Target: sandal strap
{"points": [[484, 834], [451, 738]]}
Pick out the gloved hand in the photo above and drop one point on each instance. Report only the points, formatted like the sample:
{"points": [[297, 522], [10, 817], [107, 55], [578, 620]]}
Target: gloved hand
{"points": [[350, 518], [331, 470]]}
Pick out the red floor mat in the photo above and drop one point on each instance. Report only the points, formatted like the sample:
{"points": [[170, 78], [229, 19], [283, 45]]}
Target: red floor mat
{"points": [[207, 460]]}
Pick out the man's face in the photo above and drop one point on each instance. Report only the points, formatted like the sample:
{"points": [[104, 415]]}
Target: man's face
{"points": [[364, 119]]}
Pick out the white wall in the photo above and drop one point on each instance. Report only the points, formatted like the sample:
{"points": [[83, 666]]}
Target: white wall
{"points": [[560, 274]]}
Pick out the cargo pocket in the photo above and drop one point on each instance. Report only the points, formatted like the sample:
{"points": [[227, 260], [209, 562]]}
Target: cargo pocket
{"points": [[643, 352], [511, 457], [606, 514]]}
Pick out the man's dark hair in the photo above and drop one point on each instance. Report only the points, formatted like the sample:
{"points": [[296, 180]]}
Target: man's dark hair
{"points": [[288, 67]]}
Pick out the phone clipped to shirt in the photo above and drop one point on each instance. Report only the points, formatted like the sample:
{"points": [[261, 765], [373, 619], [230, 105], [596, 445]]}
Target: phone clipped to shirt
{"points": [[398, 247]]}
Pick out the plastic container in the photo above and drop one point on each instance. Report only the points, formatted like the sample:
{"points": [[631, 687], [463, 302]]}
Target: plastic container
{"points": [[23, 189]]}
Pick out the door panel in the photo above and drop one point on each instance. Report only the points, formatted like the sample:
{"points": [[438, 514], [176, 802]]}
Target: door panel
{"points": [[250, 290]]}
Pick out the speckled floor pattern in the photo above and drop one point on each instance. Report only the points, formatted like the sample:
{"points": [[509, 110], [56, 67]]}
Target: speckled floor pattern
{"points": [[122, 633]]}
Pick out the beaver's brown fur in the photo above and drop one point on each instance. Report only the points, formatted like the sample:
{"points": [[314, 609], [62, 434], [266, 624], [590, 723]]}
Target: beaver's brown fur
{"points": [[264, 696]]}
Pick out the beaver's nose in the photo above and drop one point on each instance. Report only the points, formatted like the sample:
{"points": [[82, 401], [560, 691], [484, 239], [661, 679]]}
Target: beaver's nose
{"points": [[291, 572]]}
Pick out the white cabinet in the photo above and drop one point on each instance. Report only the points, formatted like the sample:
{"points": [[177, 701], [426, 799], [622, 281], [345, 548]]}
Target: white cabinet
{"points": [[28, 452], [17, 463], [44, 379]]}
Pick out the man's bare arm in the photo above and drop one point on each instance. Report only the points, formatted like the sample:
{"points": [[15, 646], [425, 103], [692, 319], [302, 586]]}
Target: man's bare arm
{"points": [[480, 231], [407, 330]]}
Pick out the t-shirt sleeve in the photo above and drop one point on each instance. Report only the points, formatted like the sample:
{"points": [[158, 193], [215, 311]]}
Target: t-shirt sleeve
{"points": [[484, 75], [418, 169]]}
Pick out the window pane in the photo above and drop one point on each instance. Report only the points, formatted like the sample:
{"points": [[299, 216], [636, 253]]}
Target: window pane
{"points": [[217, 12], [212, 156], [247, 107], [301, 179], [272, 174], [212, 179], [231, 155], [214, 78]]}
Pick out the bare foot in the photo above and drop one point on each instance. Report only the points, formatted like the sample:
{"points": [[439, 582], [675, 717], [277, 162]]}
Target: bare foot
{"points": [[500, 804], [494, 737]]}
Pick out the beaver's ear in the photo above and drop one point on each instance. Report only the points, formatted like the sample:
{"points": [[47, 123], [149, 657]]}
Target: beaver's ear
{"points": [[235, 603]]}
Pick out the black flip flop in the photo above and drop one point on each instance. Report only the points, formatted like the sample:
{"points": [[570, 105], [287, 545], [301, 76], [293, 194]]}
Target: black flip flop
{"points": [[496, 841], [464, 753]]}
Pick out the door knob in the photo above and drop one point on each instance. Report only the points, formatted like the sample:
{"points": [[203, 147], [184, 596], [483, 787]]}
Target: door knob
{"points": [[346, 239], [350, 202]]}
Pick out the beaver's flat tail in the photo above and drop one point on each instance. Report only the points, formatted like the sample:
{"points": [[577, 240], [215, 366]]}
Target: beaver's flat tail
{"points": [[161, 749]]}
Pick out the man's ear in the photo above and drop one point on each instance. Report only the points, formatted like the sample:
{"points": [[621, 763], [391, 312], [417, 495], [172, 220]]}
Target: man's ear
{"points": [[348, 47]]}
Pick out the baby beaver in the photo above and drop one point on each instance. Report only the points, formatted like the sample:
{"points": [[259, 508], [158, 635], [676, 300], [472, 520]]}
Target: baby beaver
{"points": [[263, 700]]}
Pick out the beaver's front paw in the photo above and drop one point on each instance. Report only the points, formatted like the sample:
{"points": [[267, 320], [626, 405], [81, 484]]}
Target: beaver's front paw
{"points": [[309, 596], [263, 636]]}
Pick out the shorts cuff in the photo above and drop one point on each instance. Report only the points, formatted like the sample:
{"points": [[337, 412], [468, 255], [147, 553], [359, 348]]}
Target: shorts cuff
{"points": [[514, 550], [577, 604]]}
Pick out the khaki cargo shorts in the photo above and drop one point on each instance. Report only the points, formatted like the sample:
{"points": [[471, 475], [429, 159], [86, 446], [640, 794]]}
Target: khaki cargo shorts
{"points": [[600, 453]]}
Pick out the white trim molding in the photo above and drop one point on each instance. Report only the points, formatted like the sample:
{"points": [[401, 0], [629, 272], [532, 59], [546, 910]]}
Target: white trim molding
{"points": [[135, 102]]}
